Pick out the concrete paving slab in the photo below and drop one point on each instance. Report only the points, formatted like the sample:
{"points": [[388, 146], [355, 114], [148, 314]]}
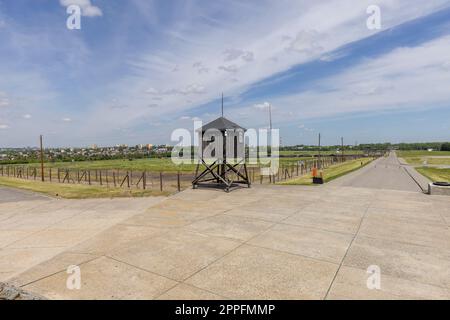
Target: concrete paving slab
{"points": [[258, 273], [96, 282], [15, 195], [400, 204], [237, 228], [430, 217], [118, 236], [265, 215], [56, 264], [54, 237], [186, 292], [351, 284], [9, 236], [432, 235], [326, 220], [169, 218], [401, 260], [14, 261], [271, 207], [177, 254], [313, 243]]}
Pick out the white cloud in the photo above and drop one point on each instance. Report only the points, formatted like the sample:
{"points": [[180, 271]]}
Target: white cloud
{"points": [[87, 9], [27, 116], [336, 23], [3, 126], [200, 67], [234, 54], [66, 119], [192, 89], [404, 79], [188, 90], [262, 106], [307, 42], [151, 90], [231, 68], [4, 102]]}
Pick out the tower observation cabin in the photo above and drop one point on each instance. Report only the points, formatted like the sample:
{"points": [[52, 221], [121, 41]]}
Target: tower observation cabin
{"points": [[221, 155]]}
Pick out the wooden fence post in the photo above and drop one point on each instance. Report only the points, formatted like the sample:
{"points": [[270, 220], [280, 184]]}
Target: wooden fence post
{"points": [[144, 180], [178, 181]]}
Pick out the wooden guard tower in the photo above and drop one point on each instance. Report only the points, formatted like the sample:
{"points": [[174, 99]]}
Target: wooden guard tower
{"points": [[221, 153]]}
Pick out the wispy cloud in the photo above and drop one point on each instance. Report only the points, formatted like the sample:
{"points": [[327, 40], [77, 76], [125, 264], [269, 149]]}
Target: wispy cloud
{"points": [[407, 78], [87, 9]]}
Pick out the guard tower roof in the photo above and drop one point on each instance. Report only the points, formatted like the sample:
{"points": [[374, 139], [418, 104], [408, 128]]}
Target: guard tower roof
{"points": [[221, 124]]}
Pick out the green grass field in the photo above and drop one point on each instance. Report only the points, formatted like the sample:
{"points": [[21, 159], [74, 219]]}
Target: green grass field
{"points": [[76, 191], [435, 174], [150, 165], [154, 164], [332, 172], [418, 157], [308, 154]]}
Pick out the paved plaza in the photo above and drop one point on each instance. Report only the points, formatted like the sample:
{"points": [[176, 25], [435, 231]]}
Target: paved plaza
{"points": [[267, 242]]}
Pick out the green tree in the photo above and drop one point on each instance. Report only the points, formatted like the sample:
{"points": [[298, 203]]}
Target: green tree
{"points": [[445, 146]]}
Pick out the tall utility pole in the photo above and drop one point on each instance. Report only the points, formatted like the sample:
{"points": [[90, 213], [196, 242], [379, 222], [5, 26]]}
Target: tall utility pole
{"points": [[319, 153], [342, 143], [42, 159], [269, 140], [270, 117], [222, 104]]}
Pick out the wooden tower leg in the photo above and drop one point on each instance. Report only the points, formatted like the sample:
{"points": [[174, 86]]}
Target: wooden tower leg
{"points": [[196, 174], [246, 175]]}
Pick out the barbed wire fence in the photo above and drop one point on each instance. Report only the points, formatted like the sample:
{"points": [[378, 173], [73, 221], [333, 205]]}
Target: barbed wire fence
{"points": [[160, 180]]}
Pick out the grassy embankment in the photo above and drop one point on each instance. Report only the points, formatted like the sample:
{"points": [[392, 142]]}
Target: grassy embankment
{"points": [[150, 165], [332, 172], [418, 157], [76, 191], [433, 158], [435, 174]]}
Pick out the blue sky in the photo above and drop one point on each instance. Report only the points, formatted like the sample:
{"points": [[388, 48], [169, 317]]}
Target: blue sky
{"points": [[139, 69]]}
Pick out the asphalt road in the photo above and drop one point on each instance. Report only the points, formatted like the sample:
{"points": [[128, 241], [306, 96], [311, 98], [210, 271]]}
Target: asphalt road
{"points": [[384, 173], [14, 195]]}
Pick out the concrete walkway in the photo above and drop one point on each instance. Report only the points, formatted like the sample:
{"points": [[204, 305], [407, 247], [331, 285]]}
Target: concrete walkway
{"points": [[267, 242], [15, 195], [36, 228], [386, 174]]}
